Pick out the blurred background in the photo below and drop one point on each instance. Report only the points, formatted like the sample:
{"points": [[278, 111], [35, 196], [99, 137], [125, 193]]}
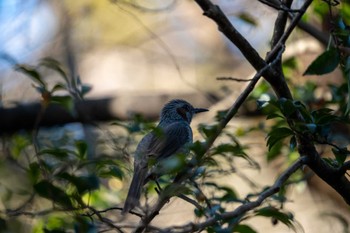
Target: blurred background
{"points": [[143, 53]]}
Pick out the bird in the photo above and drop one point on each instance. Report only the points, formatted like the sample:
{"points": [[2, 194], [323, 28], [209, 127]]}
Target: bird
{"points": [[174, 137]]}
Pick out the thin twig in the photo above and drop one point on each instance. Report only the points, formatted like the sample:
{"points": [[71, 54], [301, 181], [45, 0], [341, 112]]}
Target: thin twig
{"points": [[243, 208], [278, 5], [191, 201], [234, 79], [289, 30]]}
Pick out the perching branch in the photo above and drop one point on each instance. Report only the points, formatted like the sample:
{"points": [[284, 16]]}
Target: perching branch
{"points": [[243, 208]]}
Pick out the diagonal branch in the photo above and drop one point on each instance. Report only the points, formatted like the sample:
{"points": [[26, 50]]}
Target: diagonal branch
{"points": [[306, 147], [271, 75], [244, 208], [215, 13]]}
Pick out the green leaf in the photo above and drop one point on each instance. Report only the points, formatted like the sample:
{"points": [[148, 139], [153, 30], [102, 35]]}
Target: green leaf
{"points": [[234, 150], [82, 183], [47, 190], [325, 63], [247, 18], [58, 87], [272, 212], [229, 195], [340, 155], [277, 134], [242, 228], [82, 148], [66, 102], [208, 130], [274, 152], [172, 164], [287, 107], [112, 172], [198, 148], [273, 116], [56, 152], [293, 143], [32, 73], [18, 145], [54, 65], [34, 172], [85, 89]]}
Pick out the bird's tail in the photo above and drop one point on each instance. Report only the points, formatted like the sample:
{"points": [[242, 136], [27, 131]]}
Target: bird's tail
{"points": [[134, 193]]}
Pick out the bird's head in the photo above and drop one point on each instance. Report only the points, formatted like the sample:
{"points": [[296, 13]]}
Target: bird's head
{"points": [[179, 110]]}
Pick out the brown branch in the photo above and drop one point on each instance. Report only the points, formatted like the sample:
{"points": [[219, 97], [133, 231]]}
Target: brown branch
{"points": [[215, 13], [233, 79], [334, 177], [276, 80], [271, 75], [280, 23], [243, 208], [293, 24]]}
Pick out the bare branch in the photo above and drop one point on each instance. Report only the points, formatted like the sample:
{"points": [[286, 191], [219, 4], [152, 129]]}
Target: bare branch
{"points": [[215, 13], [191, 201], [233, 79], [278, 5], [290, 29]]}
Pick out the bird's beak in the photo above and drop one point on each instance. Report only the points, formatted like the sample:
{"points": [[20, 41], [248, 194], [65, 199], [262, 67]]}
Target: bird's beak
{"points": [[198, 110]]}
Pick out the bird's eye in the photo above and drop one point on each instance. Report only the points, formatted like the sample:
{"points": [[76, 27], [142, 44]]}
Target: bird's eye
{"points": [[182, 112], [186, 108]]}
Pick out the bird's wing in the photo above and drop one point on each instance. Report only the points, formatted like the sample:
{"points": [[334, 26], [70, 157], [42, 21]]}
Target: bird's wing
{"points": [[171, 140]]}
